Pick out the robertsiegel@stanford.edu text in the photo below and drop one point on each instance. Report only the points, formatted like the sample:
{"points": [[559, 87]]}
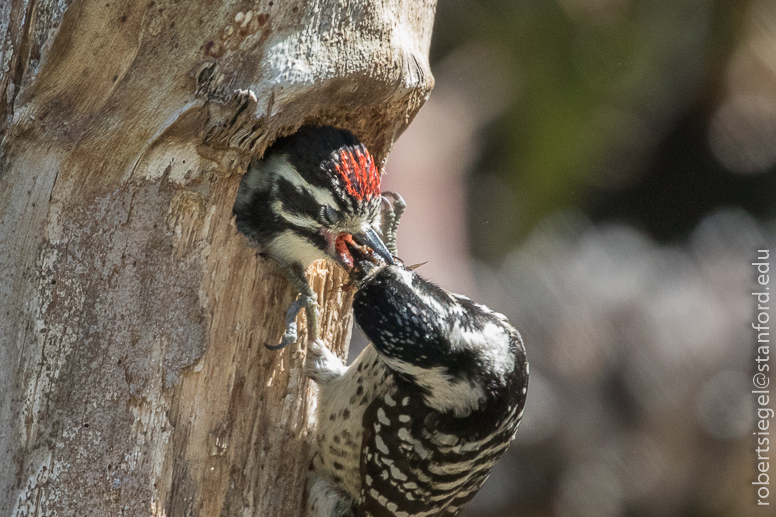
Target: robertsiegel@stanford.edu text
{"points": [[761, 379]]}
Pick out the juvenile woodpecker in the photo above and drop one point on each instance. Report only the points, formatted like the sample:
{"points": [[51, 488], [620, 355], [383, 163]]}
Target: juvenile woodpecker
{"points": [[414, 426], [307, 198]]}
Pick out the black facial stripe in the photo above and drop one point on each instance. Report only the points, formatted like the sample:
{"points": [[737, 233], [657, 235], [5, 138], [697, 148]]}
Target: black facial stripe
{"points": [[295, 201], [256, 219]]}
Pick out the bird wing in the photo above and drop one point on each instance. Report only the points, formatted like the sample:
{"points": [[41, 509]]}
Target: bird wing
{"points": [[394, 458]]}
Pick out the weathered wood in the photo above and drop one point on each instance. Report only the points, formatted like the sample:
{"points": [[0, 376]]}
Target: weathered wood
{"points": [[133, 378]]}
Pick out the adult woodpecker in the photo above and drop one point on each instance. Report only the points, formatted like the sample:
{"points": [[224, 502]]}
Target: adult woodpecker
{"points": [[414, 426]]}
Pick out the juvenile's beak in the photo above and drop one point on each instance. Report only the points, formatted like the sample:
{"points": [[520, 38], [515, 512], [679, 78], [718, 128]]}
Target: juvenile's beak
{"points": [[372, 240]]}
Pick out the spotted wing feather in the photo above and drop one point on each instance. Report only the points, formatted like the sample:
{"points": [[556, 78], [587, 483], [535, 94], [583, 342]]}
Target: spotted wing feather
{"points": [[394, 456], [435, 464]]}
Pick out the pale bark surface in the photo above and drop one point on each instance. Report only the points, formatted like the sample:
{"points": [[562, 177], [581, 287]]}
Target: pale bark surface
{"points": [[133, 377]]}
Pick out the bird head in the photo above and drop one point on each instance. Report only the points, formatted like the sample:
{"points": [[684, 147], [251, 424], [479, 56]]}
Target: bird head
{"points": [[310, 195]]}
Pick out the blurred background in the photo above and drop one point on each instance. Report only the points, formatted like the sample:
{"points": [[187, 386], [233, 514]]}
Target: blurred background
{"points": [[603, 172]]}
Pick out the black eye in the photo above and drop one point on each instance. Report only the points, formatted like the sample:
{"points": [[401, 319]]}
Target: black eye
{"points": [[328, 215]]}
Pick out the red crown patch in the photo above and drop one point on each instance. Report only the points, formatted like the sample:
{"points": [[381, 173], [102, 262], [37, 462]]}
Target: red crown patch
{"points": [[357, 168]]}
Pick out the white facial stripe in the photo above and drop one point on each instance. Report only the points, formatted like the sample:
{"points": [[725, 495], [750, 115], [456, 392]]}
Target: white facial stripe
{"points": [[289, 247], [491, 344], [405, 276], [295, 219], [285, 170], [445, 392]]}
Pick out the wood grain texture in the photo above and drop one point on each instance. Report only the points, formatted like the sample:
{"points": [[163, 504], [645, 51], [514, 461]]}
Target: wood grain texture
{"points": [[133, 378]]}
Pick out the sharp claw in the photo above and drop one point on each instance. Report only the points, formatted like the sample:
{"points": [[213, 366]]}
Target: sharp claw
{"points": [[289, 337], [398, 201], [280, 346]]}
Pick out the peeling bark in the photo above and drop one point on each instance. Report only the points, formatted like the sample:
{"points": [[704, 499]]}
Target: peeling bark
{"points": [[133, 377]]}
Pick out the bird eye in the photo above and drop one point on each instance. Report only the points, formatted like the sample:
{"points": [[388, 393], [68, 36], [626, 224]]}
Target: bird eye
{"points": [[329, 215]]}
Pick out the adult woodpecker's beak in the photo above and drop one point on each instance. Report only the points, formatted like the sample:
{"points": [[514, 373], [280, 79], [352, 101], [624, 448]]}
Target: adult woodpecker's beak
{"points": [[370, 239]]}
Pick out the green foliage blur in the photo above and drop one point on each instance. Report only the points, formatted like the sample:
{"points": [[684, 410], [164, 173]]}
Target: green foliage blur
{"points": [[610, 106]]}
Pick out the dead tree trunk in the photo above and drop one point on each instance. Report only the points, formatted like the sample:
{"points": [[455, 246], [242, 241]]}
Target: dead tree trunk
{"points": [[133, 377]]}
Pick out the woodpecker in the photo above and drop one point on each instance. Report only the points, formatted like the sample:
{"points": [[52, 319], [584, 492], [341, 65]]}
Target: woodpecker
{"points": [[413, 427], [307, 198]]}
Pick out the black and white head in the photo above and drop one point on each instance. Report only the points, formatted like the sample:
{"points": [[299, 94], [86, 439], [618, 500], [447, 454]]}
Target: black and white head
{"points": [[459, 352], [310, 195]]}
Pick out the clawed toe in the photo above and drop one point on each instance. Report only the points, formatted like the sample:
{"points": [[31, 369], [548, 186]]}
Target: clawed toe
{"points": [[393, 206], [309, 303]]}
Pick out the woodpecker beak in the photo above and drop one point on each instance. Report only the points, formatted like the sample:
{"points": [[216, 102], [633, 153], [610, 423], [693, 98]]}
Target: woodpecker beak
{"points": [[370, 239]]}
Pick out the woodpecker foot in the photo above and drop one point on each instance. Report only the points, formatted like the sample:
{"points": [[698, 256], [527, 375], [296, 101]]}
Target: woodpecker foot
{"points": [[307, 299], [393, 206], [321, 364]]}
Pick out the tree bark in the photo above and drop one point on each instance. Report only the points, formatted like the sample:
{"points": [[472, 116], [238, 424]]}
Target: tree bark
{"points": [[133, 377]]}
